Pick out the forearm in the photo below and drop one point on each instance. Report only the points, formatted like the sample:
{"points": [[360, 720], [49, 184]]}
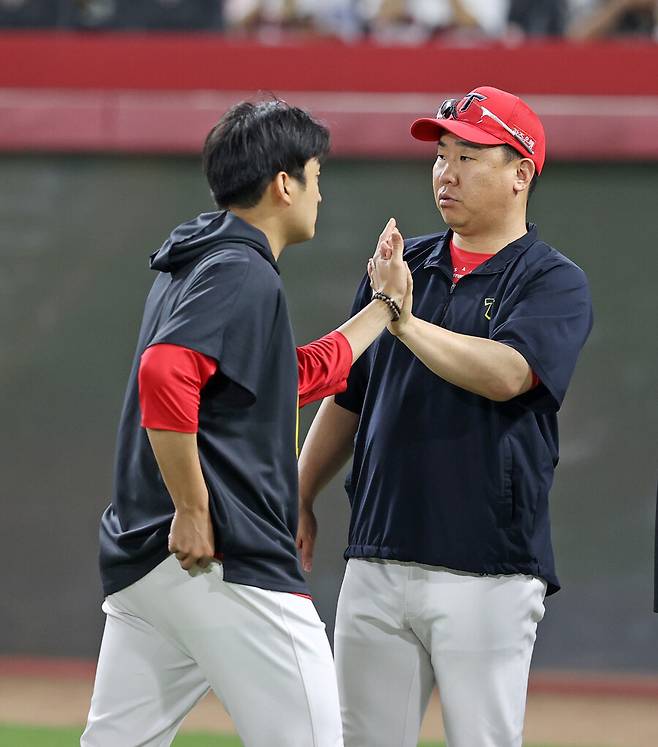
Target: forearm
{"points": [[327, 447], [365, 327], [485, 367], [177, 456]]}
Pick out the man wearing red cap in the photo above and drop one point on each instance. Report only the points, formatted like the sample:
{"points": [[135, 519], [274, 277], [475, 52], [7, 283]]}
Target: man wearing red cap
{"points": [[451, 417]]}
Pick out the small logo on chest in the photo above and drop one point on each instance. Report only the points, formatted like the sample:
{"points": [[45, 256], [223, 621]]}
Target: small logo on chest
{"points": [[488, 305]]}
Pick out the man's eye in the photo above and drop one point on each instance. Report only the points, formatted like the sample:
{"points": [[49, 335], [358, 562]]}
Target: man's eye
{"points": [[465, 158]]}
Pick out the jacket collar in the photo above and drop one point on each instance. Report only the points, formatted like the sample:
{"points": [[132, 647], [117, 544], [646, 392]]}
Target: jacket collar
{"points": [[440, 255]]}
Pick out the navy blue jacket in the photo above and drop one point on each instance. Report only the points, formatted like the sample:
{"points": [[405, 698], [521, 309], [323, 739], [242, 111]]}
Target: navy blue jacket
{"points": [[217, 291], [449, 478]]}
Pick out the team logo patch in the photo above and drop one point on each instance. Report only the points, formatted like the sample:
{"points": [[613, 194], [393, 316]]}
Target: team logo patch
{"points": [[488, 305], [469, 99]]}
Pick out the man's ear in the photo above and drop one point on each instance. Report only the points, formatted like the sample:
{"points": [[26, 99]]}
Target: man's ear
{"points": [[281, 187], [525, 171]]}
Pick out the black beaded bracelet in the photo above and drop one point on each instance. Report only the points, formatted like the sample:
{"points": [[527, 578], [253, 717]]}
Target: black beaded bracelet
{"points": [[392, 305]]}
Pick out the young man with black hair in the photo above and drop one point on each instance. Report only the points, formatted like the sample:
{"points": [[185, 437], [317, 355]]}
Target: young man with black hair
{"points": [[452, 422], [198, 559]]}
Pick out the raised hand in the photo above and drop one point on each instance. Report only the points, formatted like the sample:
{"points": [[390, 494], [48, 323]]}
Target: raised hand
{"points": [[397, 328], [384, 248], [386, 269]]}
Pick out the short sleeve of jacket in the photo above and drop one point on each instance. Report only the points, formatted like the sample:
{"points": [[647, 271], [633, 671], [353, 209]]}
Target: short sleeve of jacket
{"points": [[548, 323], [357, 382], [225, 310]]}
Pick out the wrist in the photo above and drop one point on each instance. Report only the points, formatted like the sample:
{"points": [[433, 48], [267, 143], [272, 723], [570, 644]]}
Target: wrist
{"points": [[394, 295], [306, 503], [402, 328], [192, 508], [394, 308]]}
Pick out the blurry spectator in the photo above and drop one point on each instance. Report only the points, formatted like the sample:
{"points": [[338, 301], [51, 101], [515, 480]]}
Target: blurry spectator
{"points": [[29, 13], [95, 14], [593, 19], [322, 16], [415, 20], [199, 15], [338, 17], [392, 21], [538, 17]]}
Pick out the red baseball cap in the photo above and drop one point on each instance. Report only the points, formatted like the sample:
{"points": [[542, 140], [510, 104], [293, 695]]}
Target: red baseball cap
{"points": [[488, 116]]}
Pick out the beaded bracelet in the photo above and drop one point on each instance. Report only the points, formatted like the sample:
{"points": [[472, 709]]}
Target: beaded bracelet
{"points": [[392, 305]]}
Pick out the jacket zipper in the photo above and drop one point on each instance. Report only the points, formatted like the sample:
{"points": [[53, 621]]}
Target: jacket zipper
{"points": [[445, 308]]}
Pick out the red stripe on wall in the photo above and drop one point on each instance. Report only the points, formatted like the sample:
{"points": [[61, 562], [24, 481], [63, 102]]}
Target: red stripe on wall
{"points": [[363, 124], [161, 93], [188, 61]]}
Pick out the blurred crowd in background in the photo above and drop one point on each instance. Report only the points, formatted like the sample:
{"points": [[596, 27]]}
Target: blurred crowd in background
{"points": [[387, 21]]}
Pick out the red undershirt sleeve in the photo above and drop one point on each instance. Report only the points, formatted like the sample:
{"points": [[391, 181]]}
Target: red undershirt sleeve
{"points": [[170, 379], [323, 366]]}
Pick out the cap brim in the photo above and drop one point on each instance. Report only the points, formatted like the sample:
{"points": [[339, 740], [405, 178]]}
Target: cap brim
{"points": [[432, 129]]}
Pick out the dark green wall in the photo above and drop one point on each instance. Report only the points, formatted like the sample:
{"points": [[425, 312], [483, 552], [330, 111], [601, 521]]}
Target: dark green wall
{"points": [[75, 236]]}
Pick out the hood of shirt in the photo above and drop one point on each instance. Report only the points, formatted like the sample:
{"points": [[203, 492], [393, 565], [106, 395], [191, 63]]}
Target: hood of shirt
{"points": [[205, 233]]}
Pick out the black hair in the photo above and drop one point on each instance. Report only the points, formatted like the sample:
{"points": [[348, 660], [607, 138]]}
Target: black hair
{"points": [[252, 143], [511, 154]]}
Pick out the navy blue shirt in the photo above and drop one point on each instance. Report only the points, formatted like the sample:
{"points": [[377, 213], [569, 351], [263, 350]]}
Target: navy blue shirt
{"points": [[218, 291], [446, 477]]}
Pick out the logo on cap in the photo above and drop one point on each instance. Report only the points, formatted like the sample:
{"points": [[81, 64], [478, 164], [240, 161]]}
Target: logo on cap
{"points": [[526, 139], [469, 99]]}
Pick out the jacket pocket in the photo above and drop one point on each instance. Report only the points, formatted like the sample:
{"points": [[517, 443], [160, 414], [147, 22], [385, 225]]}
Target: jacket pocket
{"points": [[505, 499]]}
